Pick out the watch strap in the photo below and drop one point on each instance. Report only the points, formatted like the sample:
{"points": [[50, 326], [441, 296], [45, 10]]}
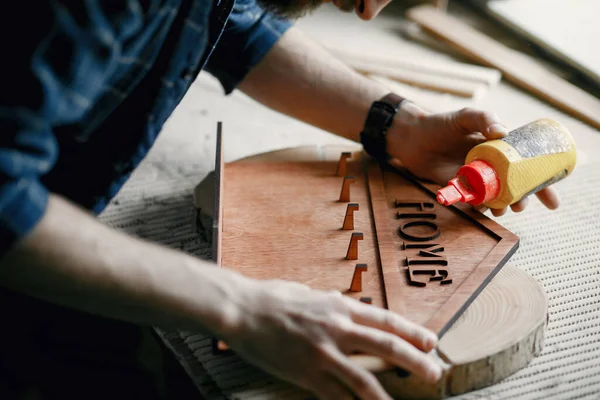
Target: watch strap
{"points": [[379, 119]]}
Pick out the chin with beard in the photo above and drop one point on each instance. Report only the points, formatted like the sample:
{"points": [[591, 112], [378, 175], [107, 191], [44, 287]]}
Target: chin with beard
{"points": [[294, 9]]}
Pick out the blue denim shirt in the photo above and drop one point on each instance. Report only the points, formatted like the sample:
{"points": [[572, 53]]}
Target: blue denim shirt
{"points": [[87, 86]]}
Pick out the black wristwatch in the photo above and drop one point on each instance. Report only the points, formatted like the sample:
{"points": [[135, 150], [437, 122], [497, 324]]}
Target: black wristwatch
{"points": [[378, 121]]}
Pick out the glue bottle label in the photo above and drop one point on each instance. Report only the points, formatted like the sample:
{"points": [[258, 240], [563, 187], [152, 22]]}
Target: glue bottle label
{"points": [[537, 140]]}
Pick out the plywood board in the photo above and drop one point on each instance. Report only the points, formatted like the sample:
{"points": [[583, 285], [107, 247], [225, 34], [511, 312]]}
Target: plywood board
{"points": [[283, 220], [516, 67], [566, 29]]}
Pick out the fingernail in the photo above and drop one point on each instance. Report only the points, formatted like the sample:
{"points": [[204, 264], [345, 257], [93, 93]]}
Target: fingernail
{"points": [[498, 129], [430, 341]]}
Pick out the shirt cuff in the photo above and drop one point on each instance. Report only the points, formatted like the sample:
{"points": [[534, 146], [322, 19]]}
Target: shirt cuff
{"points": [[249, 35], [22, 205]]}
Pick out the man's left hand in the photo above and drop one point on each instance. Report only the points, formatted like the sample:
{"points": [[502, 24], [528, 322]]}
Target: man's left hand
{"points": [[434, 146]]}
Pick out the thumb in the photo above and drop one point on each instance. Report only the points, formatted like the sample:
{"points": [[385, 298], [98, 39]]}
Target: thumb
{"points": [[488, 124]]}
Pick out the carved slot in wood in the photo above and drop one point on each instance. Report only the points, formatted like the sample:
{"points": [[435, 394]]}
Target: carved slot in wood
{"points": [[356, 285], [352, 253], [349, 218], [342, 166], [345, 192]]}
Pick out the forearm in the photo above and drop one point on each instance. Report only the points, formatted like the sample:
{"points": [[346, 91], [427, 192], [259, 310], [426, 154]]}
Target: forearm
{"points": [[73, 260], [302, 80]]}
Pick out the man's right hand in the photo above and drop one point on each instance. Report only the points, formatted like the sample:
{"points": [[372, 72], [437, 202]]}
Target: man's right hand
{"points": [[304, 336]]}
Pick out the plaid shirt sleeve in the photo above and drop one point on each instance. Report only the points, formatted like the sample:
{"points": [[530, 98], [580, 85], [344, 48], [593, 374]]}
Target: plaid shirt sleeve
{"points": [[248, 36], [57, 58]]}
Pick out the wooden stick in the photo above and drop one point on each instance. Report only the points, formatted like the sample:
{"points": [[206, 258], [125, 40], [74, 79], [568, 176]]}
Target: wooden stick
{"points": [[518, 68], [449, 69], [423, 80], [218, 204]]}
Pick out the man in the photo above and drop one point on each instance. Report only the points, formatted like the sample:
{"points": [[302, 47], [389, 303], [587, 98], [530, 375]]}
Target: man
{"points": [[86, 88]]}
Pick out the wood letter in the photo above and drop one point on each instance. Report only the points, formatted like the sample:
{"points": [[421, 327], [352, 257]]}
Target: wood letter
{"points": [[428, 262], [420, 213], [438, 273], [420, 237]]}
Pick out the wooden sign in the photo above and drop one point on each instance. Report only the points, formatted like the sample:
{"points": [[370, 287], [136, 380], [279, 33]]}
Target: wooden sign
{"points": [[370, 232], [333, 219]]}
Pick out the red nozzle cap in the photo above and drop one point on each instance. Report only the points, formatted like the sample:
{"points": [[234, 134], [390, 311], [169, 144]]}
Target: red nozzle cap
{"points": [[475, 183]]}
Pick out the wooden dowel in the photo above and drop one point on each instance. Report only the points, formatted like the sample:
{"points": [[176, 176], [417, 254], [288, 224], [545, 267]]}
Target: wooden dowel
{"points": [[428, 68]]}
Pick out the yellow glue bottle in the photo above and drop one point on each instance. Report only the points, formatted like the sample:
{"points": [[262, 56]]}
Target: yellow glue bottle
{"points": [[500, 172]]}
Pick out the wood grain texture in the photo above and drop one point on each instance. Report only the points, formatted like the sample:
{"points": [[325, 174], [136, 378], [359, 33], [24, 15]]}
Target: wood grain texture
{"points": [[282, 220], [499, 333], [388, 262], [516, 67], [478, 244]]}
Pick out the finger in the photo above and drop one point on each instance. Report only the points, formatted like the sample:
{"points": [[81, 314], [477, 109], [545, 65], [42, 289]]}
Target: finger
{"points": [[361, 382], [393, 349], [387, 321], [520, 205], [498, 212], [549, 197], [488, 124]]}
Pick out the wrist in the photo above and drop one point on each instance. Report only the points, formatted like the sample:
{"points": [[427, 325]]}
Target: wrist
{"points": [[212, 299], [408, 117], [378, 122]]}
